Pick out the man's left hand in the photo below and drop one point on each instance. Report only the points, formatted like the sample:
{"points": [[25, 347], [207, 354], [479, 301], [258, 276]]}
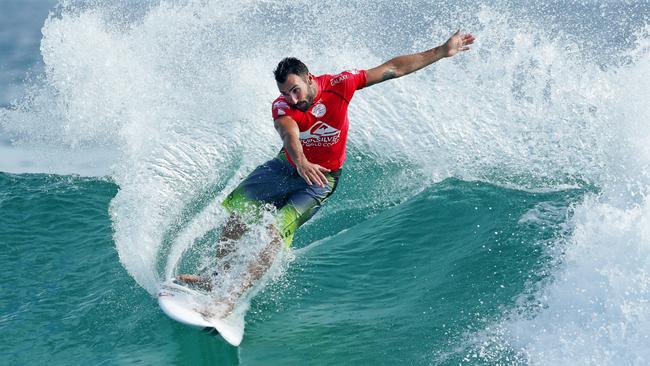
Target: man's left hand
{"points": [[457, 43]]}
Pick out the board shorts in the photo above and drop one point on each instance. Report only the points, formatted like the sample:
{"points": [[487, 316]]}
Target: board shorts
{"points": [[278, 183]]}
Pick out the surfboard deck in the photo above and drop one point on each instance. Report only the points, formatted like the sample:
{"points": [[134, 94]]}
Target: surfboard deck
{"points": [[189, 307]]}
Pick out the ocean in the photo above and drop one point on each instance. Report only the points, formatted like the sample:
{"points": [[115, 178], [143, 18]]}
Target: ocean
{"points": [[494, 208]]}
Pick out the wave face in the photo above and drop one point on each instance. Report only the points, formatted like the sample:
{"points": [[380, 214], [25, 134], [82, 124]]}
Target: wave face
{"points": [[174, 99]]}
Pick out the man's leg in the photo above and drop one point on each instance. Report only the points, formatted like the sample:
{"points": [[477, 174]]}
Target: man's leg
{"points": [[302, 203], [257, 268], [264, 185], [301, 206], [232, 231], [270, 184]]}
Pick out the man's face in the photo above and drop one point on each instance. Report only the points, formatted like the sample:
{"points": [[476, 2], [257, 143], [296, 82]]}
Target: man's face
{"points": [[299, 91]]}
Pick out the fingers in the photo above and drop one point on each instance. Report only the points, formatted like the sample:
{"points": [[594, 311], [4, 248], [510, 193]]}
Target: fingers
{"points": [[322, 181], [322, 176], [305, 175], [468, 38], [460, 42], [318, 177], [314, 175], [323, 169], [306, 178]]}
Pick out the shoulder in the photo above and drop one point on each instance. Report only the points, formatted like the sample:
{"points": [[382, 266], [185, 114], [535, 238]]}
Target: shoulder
{"points": [[280, 107], [280, 102], [349, 78]]}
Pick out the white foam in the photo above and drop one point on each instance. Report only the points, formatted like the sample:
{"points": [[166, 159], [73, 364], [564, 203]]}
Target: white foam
{"points": [[594, 308], [177, 103], [597, 310]]}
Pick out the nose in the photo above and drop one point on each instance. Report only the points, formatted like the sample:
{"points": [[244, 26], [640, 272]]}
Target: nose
{"points": [[292, 98]]}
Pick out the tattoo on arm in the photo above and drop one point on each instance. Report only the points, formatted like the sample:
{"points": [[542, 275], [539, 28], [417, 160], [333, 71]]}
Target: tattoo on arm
{"points": [[389, 74]]}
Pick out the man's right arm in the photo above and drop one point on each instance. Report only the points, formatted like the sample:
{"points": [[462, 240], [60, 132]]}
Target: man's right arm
{"points": [[290, 135]]}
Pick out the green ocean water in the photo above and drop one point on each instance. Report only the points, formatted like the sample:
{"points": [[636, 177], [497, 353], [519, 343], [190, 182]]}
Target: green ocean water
{"points": [[408, 284], [494, 207]]}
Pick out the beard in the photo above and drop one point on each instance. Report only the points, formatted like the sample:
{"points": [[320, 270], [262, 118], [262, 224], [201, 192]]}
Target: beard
{"points": [[303, 105]]}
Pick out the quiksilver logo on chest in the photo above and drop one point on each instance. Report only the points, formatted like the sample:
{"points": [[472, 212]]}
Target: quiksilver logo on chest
{"points": [[320, 134]]}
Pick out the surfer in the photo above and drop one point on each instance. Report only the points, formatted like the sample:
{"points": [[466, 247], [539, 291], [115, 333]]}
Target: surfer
{"points": [[310, 115]]}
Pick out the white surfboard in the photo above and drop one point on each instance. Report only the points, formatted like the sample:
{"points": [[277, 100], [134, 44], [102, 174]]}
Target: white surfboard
{"points": [[197, 309]]}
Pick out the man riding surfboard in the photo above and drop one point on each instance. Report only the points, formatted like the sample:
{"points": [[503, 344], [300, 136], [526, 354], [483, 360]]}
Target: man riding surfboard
{"points": [[311, 118]]}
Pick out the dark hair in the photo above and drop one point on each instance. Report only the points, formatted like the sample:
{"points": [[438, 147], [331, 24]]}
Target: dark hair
{"points": [[289, 65]]}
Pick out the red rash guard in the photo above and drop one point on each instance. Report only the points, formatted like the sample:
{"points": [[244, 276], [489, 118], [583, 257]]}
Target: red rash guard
{"points": [[324, 126]]}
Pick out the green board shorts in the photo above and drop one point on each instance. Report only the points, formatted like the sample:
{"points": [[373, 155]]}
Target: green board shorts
{"points": [[278, 183]]}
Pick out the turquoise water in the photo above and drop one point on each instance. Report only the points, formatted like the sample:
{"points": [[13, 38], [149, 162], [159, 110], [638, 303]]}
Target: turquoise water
{"points": [[493, 209], [444, 262]]}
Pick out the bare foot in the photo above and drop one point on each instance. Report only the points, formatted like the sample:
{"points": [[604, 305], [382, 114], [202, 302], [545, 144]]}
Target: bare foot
{"points": [[223, 308], [198, 281]]}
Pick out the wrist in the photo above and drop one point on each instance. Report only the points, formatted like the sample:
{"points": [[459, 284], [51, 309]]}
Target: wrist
{"points": [[300, 160], [442, 51]]}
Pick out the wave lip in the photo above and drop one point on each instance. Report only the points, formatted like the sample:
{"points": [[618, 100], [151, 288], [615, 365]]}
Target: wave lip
{"points": [[596, 310]]}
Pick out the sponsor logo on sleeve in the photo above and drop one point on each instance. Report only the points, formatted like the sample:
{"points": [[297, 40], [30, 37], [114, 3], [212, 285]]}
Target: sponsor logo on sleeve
{"points": [[318, 110], [280, 104], [338, 78]]}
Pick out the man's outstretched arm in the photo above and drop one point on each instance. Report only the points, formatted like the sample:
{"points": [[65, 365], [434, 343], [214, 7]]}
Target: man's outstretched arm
{"points": [[404, 65]]}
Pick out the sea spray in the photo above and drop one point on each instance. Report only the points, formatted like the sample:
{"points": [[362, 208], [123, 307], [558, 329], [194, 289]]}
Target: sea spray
{"points": [[175, 94]]}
